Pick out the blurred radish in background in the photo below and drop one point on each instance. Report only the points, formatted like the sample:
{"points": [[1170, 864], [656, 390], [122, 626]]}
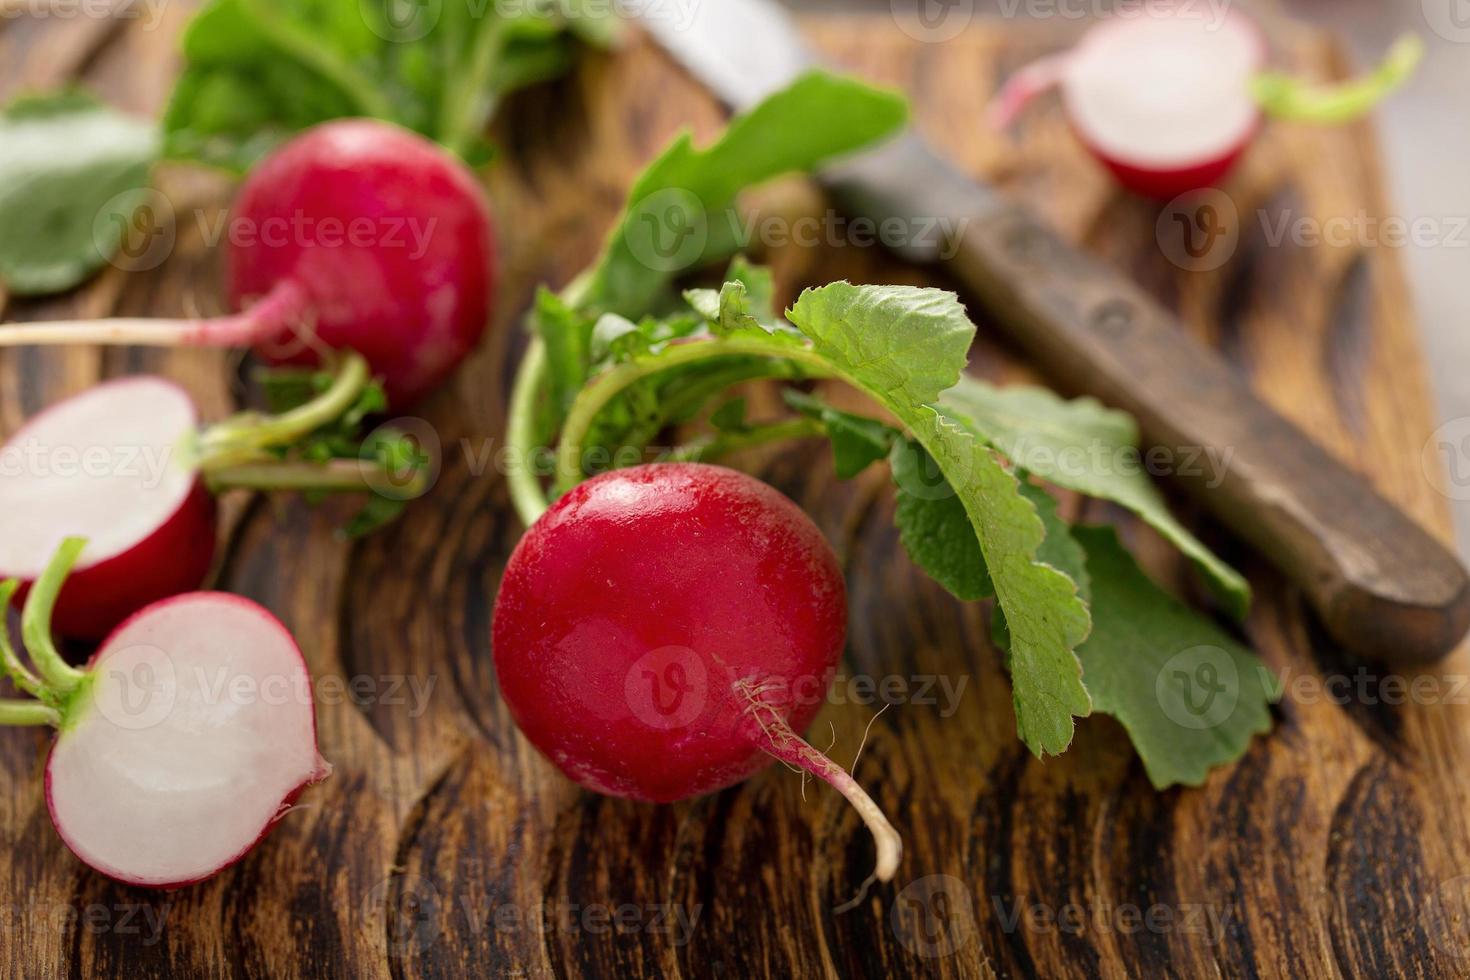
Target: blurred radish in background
{"points": [[1170, 96]]}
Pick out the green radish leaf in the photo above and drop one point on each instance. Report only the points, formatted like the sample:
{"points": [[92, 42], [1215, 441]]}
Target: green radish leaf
{"points": [[1060, 550], [729, 312], [257, 71], [729, 417], [1189, 695], [905, 346], [681, 213], [760, 287], [934, 527], [1083, 446], [615, 337], [72, 174], [857, 441]]}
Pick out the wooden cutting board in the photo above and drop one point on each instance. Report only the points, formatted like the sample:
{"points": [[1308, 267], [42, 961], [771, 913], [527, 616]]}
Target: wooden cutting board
{"points": [[443, 845]]}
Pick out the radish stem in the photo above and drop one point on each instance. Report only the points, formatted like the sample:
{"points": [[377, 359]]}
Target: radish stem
{"points": [[595, 397], [1025, 85], [24, 712], [35, 619], [338, 475], [278, 312], [705, 450], [15, 668], [520, 435], [1288, 98], [778, 740], [240, 440]]}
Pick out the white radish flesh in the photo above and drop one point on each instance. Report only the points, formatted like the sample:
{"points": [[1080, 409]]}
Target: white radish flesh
{"points": [[1165, 91], [111, 465], [193, 733]]}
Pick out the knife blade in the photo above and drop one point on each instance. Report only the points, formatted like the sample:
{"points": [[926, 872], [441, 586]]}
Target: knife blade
{"points": [[1384, 588]]}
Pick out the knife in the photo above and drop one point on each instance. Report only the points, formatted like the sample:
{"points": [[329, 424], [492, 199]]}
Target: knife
{"points": [[1385, 589]]}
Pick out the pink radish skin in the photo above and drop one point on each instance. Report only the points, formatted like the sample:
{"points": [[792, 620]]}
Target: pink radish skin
{"points": [[168, 785], [1161, 98], [413, 300], [147, 514], [356, 235], [665, 631]]}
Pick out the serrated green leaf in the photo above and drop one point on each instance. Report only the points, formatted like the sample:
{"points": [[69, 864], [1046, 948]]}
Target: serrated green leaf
{"points": [[1190, 696], [1060, 550], [72, 174], [905, 346], [1083, 446]]}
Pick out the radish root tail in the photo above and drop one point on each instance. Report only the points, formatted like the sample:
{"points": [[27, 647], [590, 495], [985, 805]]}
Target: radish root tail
{"points": [[778, 740]]}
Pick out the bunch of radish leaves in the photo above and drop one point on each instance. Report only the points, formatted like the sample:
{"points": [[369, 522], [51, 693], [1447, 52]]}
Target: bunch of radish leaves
{"points": [[73, 172], [623, 354]]}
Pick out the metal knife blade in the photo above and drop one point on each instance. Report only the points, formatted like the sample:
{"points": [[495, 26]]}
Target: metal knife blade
{"points": [[742, 50]]}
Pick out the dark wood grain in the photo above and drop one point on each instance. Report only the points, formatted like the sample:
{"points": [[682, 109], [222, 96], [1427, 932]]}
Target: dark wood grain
{"points": [[444, 846]]}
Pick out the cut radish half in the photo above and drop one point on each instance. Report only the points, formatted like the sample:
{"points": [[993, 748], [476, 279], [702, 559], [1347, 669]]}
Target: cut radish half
{"points": [[189, 733], [117, 465], [126, 466], [194, 734], [1169, 97], [1164, 100]]}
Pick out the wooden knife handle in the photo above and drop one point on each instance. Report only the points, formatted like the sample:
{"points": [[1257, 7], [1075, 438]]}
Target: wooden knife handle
{"points": [[1384, 588]]}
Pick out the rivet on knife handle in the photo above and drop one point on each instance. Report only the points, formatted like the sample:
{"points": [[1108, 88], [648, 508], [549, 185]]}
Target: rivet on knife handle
{"points": [[1384, 587]]}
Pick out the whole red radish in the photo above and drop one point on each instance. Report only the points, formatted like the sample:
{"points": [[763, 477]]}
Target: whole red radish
{"points": [[1169, 95], [667, 630], [355, 235], [388, 239], [127, 466], [189, 733]]}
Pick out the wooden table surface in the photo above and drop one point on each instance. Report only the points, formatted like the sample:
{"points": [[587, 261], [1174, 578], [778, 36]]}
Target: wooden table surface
{"points": [[443, 845]]}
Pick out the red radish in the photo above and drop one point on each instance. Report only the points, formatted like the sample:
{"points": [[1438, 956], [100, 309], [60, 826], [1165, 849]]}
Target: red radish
{"points": [[126, 465], [355, 235], [189, 733], [1169, 96], [667, 630]]}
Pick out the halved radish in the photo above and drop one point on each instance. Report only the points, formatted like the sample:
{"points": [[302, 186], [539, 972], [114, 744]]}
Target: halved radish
{"points": [[141, 505], [190, 732], [1169, 96], [126, 466]]}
